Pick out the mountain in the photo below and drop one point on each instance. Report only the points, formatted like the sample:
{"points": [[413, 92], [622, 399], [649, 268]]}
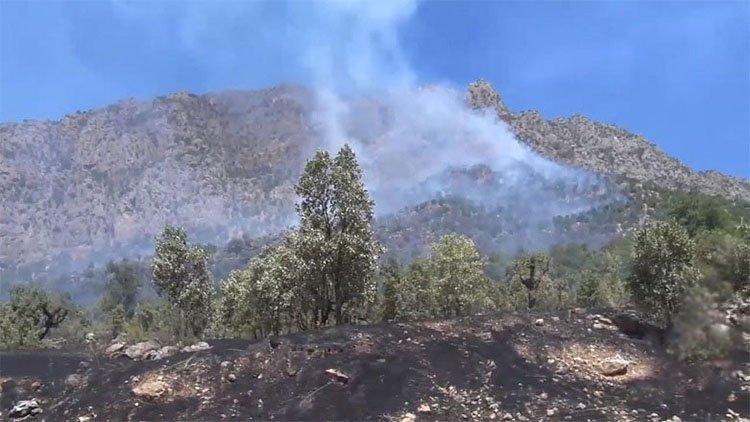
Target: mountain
{"points": [[102, 183]]}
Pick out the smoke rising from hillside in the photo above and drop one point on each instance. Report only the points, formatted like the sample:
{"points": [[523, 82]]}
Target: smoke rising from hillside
{"points": [[367, 94], [408, 136]]}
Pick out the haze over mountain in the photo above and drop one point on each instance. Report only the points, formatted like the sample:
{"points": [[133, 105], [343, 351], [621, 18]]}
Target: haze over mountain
{"points": [[100, 184]]}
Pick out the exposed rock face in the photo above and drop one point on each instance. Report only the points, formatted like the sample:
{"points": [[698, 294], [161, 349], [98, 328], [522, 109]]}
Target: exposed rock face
{"points": [[107, 180], [605, 148]]}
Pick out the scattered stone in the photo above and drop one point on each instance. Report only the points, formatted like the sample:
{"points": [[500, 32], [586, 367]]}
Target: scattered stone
{"points": [[409, 417], [552, 411], [676, 418], [424, 408], [580, 406], [598, 326], [556, 319], [337, 375], [25, 408], [197, 347], [138, 351], [232, 377], [578, 310], [36, 386], [75, 381], [507, 417], [225, 364], [614, 366], [162, 353], [150, 389], [90, 337], [539, 322]]}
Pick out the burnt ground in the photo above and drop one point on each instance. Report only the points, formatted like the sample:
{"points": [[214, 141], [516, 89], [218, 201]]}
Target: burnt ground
{"points": [[502, 367]]}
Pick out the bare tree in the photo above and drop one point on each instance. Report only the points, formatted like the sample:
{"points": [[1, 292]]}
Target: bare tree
{"points": [[53, 319]]}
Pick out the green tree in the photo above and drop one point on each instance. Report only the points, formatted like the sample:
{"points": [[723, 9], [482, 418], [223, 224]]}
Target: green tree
{"points": [[335, 239], [29, 315], [392, 276], [699, 212], [180, 274], [121, 288], [663, 269], [457, 269]]}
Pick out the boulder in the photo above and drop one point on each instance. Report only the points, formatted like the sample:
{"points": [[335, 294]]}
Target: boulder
{"points": [[138, 351], [25, 408], [115, 348], [162, 353], [197, 347]]}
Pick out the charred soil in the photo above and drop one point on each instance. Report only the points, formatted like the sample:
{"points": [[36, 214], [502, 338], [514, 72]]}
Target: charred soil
{"points": [[529, 366]]}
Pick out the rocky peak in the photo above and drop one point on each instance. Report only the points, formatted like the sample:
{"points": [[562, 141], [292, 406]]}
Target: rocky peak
{"points": [[481, 95]]}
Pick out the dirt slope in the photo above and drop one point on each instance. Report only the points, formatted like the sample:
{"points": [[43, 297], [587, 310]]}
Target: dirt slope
{"points": [[509, 367]]}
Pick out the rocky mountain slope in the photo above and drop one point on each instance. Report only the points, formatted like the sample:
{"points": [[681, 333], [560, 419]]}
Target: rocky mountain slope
{"points": [[103, 182], [605, 148], [536, 366]]}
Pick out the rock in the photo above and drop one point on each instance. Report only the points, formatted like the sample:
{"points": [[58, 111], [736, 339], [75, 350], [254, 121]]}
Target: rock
{"points": [[507, 417], [138, 351], [580, 406], [551, 412], [232, 377], [337, 375], [409, 417], [197, 347], [90, 337], [598, 326], [75, 381], [539, 322], [614, 366], [115, 348], [424, 408], [225, 364], [162, 353], [25, 408], [578, 311], [36, 386], [151, 389]]}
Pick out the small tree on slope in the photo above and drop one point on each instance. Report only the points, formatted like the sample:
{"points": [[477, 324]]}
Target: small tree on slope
{"points": [[180, 274], [663, 269]]}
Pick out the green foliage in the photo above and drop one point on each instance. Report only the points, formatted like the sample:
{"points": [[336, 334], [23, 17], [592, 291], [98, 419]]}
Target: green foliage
{"points": [[451, 282], [24, 318], [121, 288], [181, 276], [335, 241], [117, 319], [699, 212], [324, 270], [458, 271], [603, 284], [663, 269]]}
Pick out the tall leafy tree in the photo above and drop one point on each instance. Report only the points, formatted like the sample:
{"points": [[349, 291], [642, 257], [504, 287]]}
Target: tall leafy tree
{"points": [[122, 288], [458, 271], [335, 239], [663, 269], [180, 274]]}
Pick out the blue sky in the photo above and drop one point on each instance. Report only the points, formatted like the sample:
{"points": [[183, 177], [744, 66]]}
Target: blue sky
{"points": [[675, 72]]}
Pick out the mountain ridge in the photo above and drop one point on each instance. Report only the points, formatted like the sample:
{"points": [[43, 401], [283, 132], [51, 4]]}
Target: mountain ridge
{"points": [[225, 163]]}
